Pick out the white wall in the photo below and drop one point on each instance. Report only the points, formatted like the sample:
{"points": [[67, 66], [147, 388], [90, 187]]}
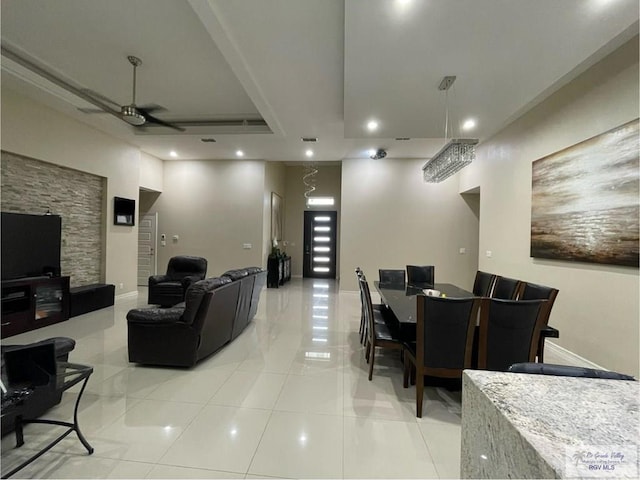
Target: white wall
{"points": [[151, 172], [214, 207], [597, 309], [33, 130], [392, 218]]}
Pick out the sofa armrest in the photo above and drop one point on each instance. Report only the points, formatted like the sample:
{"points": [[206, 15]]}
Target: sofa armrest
{"points": [[156, 315], [155, 279], [189, 280]]}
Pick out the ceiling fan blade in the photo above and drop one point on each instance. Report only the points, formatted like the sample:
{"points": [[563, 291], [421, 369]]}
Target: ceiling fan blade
{"points": [[151, 107], [157, 121]]}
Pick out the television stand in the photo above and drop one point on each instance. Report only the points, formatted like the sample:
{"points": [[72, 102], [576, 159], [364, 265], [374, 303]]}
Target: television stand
{"points": [[33, 302]]}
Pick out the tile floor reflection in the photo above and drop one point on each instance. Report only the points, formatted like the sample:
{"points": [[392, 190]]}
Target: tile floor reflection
{"points": [[289, 398]]}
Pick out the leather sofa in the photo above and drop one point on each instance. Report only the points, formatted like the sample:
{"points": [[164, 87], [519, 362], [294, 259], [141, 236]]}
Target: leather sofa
{"points": [[44, 399], [169, 289], [215, 311]]}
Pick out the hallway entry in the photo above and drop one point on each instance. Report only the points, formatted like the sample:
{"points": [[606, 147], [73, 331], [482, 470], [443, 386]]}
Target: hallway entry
{"points": [[319, 244], [147, 260]]}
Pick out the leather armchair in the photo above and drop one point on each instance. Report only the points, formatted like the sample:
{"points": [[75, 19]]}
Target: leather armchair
{"points": [[169, 289]]}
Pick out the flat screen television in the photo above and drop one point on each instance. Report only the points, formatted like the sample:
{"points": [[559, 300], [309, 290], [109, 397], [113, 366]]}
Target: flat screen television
{"points": [[30, 245], [124, 211]]}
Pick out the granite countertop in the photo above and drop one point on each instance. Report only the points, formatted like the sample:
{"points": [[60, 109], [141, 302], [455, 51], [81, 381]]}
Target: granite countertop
{"points": [[560, 417]]}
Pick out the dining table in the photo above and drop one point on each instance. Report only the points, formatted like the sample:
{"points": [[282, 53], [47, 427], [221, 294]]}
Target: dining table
{"points": [[400, 299]]}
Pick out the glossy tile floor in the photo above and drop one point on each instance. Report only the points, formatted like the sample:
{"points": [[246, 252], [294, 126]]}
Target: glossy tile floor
{"points": [[289, 398]]}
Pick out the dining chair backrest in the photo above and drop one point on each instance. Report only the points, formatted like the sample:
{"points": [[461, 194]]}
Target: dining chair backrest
{"points": [[505, 288], [509, 332], [531, 291], [360, 275], [422, 276], [444, 334], [391, 277], [483, 284], [367, 306]]}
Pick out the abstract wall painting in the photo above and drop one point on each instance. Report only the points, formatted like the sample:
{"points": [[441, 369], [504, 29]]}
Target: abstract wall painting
{"points": [[585, 202]]}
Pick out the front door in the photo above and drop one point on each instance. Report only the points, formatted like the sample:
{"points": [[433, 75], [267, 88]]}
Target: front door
{"points": [[320, 244], [147, 232]]}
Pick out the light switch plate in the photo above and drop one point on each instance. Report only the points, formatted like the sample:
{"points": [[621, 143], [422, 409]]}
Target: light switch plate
{"points": [[489, 253]]}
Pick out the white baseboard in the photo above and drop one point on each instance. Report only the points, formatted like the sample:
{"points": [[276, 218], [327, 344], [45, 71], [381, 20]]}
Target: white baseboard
{"points": [[563, 356], [133, 294]]}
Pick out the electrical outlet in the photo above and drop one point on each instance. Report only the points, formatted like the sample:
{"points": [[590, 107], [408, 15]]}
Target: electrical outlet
{"points": [[247, 246], [463, 250], [121, 286], [489, 254]]}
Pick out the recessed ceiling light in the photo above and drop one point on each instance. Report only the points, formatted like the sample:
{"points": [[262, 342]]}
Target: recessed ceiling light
{"points": [[372, 125], [173, 154], [309, 153], [469, 124], [239, 153]]}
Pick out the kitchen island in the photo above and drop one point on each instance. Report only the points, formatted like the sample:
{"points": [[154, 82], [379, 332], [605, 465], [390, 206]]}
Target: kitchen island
{"points": [[538, 426]]}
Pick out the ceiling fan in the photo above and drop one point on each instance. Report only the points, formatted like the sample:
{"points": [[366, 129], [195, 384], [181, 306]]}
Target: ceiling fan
{"points": [[132, 114]]}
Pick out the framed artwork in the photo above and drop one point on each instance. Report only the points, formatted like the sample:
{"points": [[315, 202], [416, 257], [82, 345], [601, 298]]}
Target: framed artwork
{"points": [[276, 218], [585, 203]]}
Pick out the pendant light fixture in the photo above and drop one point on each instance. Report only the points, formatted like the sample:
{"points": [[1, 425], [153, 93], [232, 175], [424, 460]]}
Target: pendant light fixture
{"points": [[456, 154]]}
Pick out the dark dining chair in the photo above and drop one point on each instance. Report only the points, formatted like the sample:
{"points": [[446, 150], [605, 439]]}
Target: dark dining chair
{"points": [[379, 310], [421, 276], [378, 334], [509, 332], [531, 291], [483, 284], [506, 288], [444, 340], [391, 277]]}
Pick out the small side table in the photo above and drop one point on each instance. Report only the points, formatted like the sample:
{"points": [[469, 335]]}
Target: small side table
{"points": [[68, 375]]}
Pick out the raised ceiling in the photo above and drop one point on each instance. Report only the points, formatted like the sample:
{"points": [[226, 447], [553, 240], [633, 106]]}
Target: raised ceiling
{"points": [[312, 68]]}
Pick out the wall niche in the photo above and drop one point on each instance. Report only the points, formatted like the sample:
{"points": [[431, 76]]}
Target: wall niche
{"points": [[34, 186]]}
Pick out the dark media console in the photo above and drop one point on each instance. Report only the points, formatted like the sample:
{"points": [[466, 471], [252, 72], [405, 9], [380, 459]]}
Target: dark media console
{"points": [[33, 302]]}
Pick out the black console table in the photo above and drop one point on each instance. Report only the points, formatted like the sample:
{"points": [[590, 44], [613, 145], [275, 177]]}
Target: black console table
{"points": [[68, 375], [278, 271]]}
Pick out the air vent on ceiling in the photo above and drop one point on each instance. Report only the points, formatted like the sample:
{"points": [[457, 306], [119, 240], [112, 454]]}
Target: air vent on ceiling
{"points": [[208, 140], [309, 139], [403, 138]]}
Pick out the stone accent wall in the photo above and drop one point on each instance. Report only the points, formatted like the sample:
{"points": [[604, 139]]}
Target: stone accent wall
{"points": [[32, 186]]}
